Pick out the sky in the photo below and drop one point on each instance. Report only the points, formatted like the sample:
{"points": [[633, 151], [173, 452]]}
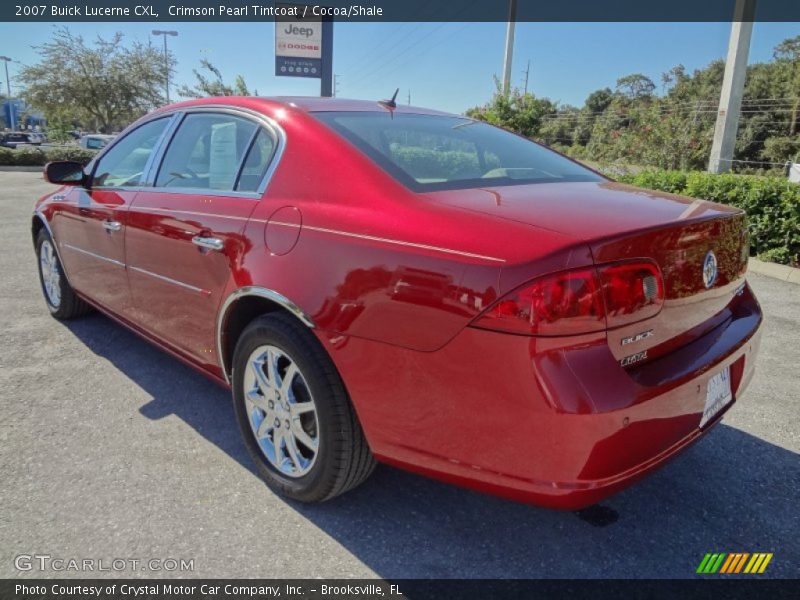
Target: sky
{"points": [[447, 66]]}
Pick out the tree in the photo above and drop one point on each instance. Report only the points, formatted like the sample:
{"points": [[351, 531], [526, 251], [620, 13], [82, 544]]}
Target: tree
{"points": [[214, 85], [788, 53], [598, 100], [672, 77], [636, 125], [105, 85], [521, 113], [636, 86]]}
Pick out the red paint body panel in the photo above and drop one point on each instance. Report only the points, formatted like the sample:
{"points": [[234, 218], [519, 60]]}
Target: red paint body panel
{"points": [[392, 280], [80, 226], [158, 240]]}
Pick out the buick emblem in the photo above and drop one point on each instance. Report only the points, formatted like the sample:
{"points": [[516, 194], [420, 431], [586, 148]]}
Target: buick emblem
{"points": [[709, 269]]}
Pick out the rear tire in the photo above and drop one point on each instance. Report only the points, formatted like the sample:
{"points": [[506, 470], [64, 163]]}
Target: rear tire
{"points": [[294, 413], [62, 301]]}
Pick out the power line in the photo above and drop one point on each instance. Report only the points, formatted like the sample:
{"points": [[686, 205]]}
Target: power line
{"points": [[428, 49], [416, 44], [373, 58], [398, 55]]}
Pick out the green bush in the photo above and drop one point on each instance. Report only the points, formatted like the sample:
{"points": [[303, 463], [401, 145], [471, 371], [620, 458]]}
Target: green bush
{"points": [[75, 153], [772, 205], [34, 156], [426, 163]]}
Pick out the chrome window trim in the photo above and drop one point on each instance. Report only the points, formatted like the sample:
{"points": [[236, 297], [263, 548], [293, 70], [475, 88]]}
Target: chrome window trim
{"points": [[261, 292], [160, 148], [177, 115], [246, 154], [261, 120], [201, 192]]}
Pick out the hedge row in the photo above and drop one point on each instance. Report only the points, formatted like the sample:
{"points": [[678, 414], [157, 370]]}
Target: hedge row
{"points": [[772, 205], [33, 156], [425, 163]]}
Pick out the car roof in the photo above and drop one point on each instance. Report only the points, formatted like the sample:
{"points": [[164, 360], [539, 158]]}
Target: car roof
{"points": [[308, 104], [319, 104]]}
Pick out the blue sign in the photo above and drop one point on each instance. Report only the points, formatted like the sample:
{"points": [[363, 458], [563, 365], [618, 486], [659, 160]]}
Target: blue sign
{"points": [[298, 67]]}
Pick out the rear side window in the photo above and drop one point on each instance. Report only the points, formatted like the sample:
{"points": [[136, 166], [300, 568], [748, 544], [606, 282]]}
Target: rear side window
{"points": [[95, 143], [432, 152], [124, 163], [257, 161], [206, 152]]}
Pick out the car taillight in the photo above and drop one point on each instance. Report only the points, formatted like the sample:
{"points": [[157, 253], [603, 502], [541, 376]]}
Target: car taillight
{"points": [[561, 304], [633, 291], [582, 301]]}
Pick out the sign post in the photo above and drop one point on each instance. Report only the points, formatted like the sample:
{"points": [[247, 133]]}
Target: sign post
{"points": [[304, 45]]}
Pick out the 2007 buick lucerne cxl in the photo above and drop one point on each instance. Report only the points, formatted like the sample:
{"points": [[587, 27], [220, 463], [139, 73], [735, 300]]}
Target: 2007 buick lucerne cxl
{"points": [[389, 283]]}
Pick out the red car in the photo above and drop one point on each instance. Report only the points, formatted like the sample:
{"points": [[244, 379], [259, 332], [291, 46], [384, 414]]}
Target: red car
{"points": [[396, 284]]}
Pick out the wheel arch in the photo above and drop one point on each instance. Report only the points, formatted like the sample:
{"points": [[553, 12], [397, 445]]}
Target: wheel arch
{"points": [[39, 222], [239, 309]]}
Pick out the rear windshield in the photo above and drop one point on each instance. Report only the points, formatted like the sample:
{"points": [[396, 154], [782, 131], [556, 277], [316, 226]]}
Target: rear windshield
{"points": [[429, 152]]}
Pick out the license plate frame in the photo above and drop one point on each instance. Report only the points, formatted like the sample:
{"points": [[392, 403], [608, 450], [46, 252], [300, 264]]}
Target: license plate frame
{"points": [[718, 396]]}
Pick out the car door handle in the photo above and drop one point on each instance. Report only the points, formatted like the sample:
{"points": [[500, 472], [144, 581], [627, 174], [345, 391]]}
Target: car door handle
{"points": [[209, 243], [111, 226]]}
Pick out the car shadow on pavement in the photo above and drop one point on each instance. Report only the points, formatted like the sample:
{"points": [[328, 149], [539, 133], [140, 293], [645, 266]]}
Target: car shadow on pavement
{"points": [[731, 492]]}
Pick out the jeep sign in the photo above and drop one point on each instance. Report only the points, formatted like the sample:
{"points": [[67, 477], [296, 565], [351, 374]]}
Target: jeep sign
{"points": [[298, 43]]}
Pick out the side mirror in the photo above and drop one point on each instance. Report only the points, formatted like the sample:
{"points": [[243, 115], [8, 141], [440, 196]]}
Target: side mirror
{"points": [[64, 172]]}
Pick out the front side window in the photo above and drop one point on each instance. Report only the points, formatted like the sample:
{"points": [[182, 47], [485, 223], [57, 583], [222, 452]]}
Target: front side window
{"points": [[206, 152], [124, 163], [432, 152]]}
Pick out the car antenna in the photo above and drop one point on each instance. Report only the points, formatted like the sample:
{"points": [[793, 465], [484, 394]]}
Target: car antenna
{"points": [[390, 103]]}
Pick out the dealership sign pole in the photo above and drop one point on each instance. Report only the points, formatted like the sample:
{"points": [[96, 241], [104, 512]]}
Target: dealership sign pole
{"points": [[304, 45]]}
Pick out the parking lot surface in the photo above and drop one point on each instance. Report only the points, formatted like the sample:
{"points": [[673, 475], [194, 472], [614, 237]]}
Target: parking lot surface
{"points": [[110, 448]]}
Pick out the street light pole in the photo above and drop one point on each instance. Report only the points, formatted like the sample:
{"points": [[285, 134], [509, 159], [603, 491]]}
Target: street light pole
{"points": [[165, 33], [7, 60]]}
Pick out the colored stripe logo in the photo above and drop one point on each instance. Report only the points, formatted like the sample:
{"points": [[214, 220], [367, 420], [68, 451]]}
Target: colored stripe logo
{"points": [[734, 562]]}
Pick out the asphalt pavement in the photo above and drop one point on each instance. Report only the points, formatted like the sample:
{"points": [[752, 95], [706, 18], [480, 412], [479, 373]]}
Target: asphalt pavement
{"points": [[110, 448]]}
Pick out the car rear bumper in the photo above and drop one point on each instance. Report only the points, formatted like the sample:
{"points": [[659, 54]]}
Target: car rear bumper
{"points": [[555, 422]]}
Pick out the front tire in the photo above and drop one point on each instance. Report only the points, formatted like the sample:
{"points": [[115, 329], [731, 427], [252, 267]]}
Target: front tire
{"points": [[62, 301], [294, 413]]}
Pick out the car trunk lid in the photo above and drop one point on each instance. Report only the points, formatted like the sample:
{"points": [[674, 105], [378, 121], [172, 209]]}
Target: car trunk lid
{"points": [[620, 222]]}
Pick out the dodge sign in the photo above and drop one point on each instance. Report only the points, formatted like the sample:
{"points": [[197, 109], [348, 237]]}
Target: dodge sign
{"points": [[298, 43]]}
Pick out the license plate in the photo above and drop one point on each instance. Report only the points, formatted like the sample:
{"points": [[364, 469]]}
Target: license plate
{"points": [[718, 395]]}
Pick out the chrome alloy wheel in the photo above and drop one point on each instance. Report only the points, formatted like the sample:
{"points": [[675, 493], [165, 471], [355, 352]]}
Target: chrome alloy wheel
{"points": [[51, 275], [281, 411]]}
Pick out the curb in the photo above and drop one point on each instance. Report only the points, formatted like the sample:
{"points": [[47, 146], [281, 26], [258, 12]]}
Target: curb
{"points": [[22, 169], [774, 270]]}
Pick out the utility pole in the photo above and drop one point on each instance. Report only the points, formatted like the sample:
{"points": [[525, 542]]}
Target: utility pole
{"points": [[730, 100], [509, 55], [527, 72], [409, 96], [326, 76], [166, 56], [335, 85], [12, 123]]}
